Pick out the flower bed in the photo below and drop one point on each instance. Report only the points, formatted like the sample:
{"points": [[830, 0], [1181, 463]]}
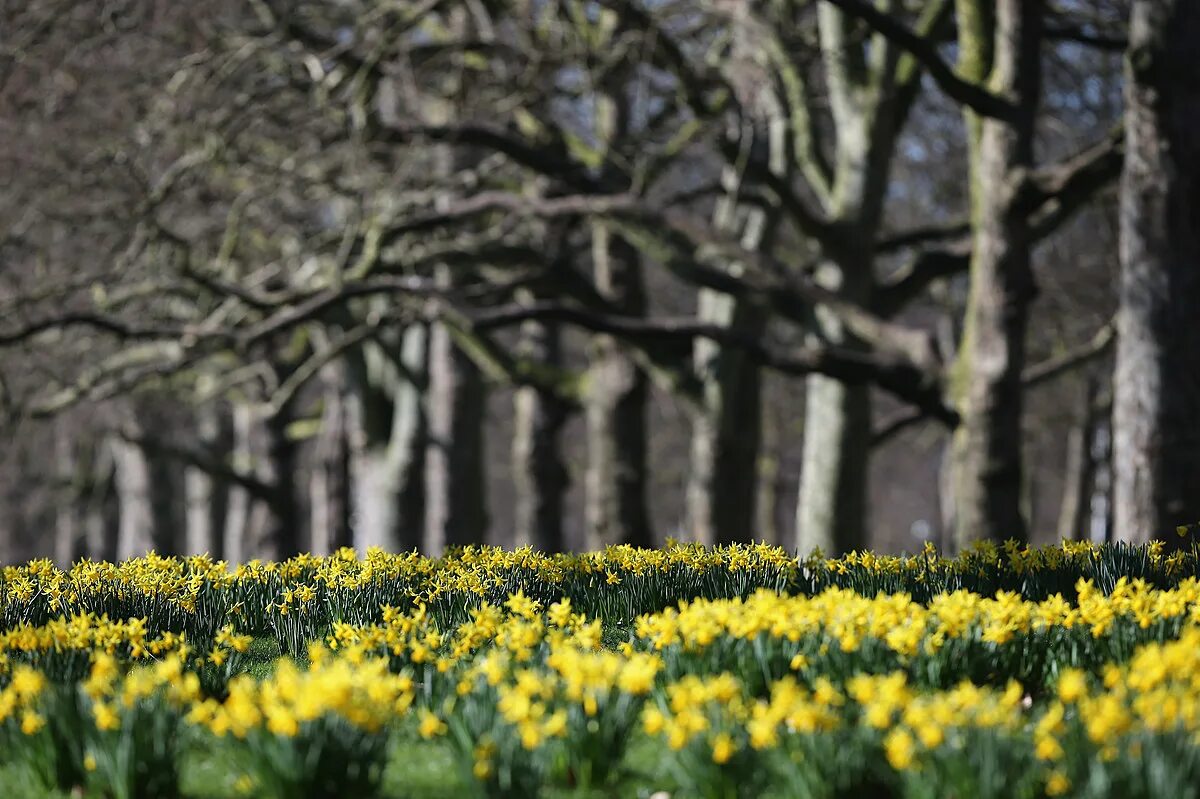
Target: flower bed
{"points": [[723, 672]]}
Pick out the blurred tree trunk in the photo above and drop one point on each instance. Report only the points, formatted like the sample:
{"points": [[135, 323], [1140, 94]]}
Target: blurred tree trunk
{"points": [[722, 490], [69, 539], [831, 509], [238, 517], [723, 477], [1156, 409], [264, 520], [871, 91], [771, 487], [999, 46], [147, 494], [329, 483], [282, 533], [540, 477], [1079, 482], [617, 389], [390, 439], [455, 499], [101, 515], [207, 494]]}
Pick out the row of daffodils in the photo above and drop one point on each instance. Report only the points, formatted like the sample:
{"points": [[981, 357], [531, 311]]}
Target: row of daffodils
{"points": [[707, 672]]}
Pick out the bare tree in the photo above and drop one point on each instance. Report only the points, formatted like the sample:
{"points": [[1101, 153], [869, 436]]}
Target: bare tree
{"points": [[1156, 435]]}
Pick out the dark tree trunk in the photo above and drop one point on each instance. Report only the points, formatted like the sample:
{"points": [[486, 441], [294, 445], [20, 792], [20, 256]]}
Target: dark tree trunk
{"points": [[1156, 409], [264, 523], [1079, 480], [456, 505], [540, 477], [283, 532], [101, 514]]}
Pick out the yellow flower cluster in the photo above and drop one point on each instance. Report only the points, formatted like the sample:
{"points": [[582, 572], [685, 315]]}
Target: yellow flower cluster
{"points": [[19, 699], [87, 633], [365, 694], [908, 627]]}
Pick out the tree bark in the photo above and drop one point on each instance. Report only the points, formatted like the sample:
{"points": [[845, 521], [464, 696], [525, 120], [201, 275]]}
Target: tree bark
{"points": [[831, 509], [207, 495], [239, 516], [456, 504], [615, 509], [870, 94], [101, 511], [69, 540], [986, 381], [329, 483], [283, 532], [264, 524], [540, 477], [726, 429], [390, 444], [1079, 481], [771, 488], [147, 500], [1156, 410]]}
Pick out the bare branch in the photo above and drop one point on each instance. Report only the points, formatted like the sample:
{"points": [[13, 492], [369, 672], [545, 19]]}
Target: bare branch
{"points": [[1049, 369], [106, 323], [891, 372], [970, 94]]}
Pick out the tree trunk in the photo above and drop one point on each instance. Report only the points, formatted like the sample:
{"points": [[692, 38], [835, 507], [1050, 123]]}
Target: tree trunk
{"points": [[723, 477], [1156, 409], [267, 523], [871, 93], [68, 529], [1079, 480], [149, 487], [101, 511], [615, 509], [144, 496], [283, 533], [540, 477], [239, 516], [329, 483], [770, 486], [831, 512], [207, 495], [456, 507], [722, 488], [391, 436], [986, 382], [831, 509]]}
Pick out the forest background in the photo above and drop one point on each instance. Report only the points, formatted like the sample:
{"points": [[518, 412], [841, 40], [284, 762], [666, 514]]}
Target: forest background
{"points": [[288, 276]]}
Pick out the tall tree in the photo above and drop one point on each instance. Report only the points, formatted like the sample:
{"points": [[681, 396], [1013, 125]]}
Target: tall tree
{"points": [[872, 84], [999, 52], [1156, 408]]}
